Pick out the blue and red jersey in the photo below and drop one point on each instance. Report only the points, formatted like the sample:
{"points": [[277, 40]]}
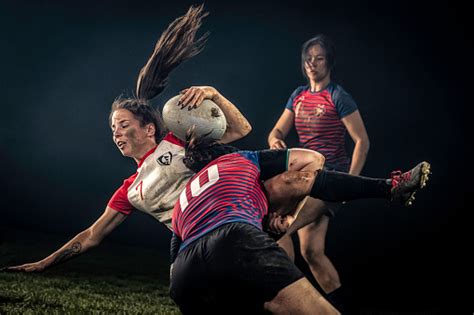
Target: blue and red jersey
{"points": [[318, 121], [227, 190]]}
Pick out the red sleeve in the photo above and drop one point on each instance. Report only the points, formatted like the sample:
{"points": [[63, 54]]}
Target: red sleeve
{"points": [[170, 137], [119, 201]]}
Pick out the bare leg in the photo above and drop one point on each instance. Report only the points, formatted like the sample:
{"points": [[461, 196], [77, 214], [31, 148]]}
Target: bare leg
{"points": [[312, 242], [308, 211], [286, 190], [302, 298], [286, 243]]}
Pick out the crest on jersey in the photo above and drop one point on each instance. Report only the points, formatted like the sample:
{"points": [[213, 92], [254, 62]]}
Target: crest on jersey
{"points": [[165, 159], [320, 110]]}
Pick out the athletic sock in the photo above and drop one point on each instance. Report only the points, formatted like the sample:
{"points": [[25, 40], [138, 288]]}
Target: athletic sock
{"points": [[337, 186]]}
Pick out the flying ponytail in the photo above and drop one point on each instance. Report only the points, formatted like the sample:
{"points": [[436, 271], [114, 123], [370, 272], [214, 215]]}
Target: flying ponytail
{"points": [[176, 44]]}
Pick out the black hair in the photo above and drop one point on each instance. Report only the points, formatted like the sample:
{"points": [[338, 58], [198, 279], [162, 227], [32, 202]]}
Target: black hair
{"points": [[328, 46], [200, 151]]}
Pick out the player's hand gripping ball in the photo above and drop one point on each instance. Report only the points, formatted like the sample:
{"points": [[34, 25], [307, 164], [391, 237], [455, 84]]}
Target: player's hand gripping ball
{"points": [[207, 119]]}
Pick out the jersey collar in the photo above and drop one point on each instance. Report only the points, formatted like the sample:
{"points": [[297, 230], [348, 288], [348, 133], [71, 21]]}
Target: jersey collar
{"points": [[146, 155]]}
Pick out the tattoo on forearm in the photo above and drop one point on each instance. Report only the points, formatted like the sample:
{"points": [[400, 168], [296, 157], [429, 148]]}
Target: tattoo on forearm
{"points": [[68, 253]]}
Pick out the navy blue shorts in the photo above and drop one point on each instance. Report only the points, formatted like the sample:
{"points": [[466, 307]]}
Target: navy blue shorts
{"points": [[232, 270]]}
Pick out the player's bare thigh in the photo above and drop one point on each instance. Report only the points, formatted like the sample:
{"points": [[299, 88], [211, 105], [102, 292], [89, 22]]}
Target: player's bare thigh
{"points": [[300, 297]]}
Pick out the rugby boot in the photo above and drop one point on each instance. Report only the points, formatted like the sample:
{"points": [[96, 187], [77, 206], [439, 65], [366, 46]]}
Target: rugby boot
{"points": [[405, 185]]}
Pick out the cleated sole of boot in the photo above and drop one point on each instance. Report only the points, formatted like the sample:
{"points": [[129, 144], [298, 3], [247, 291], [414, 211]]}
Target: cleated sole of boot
{"points": [[424, 177], [425, 172]]}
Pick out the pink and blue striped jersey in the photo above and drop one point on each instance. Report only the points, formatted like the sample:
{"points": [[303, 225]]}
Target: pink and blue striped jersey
{"points": [[318, 121], [227, 190]]}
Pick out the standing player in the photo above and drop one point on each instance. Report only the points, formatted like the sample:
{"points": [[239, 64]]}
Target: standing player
{"points": [[224, 262], [321, 112]]}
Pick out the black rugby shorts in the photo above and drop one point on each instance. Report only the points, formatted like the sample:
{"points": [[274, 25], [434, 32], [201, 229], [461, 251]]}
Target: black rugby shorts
{"points": [[231, 270]]}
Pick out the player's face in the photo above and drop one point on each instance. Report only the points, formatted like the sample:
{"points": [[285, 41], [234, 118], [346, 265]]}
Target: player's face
{"points": [[316, 66], [132, 139]]}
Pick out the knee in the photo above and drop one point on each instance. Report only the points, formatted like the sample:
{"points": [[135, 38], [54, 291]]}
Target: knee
{"points": [[289, 185], [313, 254], [319, 160], [274, 306], [297, 179]]}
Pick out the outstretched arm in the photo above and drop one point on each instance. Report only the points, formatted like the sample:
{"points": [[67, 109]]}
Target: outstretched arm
{"points": [[237, 125], [81, 243]]}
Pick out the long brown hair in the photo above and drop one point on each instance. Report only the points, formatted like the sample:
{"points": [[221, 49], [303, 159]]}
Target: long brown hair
{"points": [[177, 44]]}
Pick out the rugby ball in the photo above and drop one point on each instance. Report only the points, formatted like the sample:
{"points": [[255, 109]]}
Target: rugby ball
{"points": [[208, 119]]}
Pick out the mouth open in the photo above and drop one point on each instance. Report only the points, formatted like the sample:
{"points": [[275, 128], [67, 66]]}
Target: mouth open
{"points": [[121, 144]]}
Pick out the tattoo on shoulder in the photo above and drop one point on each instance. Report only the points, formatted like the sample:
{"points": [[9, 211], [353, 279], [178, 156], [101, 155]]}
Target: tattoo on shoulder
{"points": [[68, 253]]}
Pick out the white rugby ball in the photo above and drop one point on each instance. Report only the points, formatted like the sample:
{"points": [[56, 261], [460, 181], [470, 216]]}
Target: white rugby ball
{"points": [[208, 119]]}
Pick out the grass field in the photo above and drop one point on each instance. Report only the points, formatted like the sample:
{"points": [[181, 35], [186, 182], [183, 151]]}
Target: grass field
{"points": [[111, 279], [125, 279]]}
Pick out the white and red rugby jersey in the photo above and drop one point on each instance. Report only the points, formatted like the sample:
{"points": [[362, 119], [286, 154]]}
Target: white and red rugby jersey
{"points": [[155, 187]]}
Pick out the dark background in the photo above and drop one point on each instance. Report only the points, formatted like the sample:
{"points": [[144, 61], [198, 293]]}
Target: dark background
{"points": [[407, 65]]}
